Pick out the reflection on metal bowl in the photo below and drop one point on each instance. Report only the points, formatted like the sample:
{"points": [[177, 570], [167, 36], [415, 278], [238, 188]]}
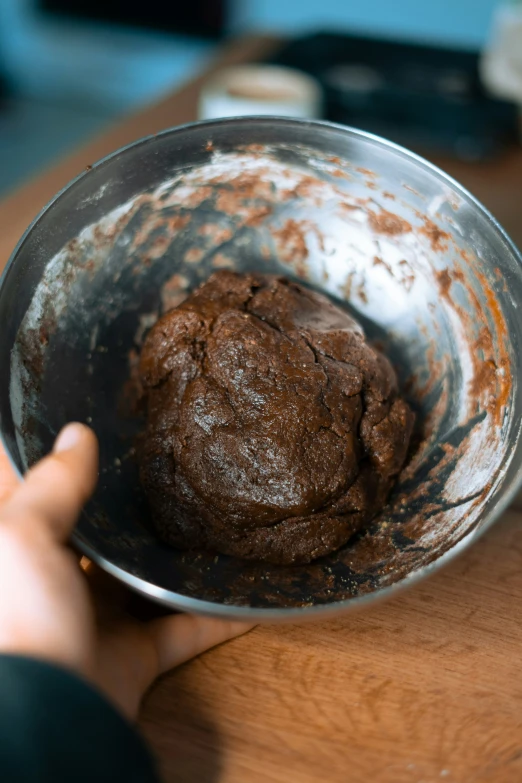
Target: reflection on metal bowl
{"points": [[432, 277]]}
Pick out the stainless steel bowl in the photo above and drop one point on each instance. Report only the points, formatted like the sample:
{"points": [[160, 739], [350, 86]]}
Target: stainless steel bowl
{"points": [[428, 271]]}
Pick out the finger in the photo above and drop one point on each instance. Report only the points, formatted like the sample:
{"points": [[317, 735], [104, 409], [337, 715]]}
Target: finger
{"points": [[8, 478], [132, 655], [55, 490], [178, 638]]}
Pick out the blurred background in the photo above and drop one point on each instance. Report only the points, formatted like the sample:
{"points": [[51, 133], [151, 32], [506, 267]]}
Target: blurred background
{"points": [[69, 68]]}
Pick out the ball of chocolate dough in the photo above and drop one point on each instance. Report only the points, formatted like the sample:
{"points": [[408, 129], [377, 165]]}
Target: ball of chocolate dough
{"points": [[274, 430]]}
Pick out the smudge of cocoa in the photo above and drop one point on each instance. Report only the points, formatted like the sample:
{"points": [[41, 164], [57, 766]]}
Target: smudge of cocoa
{"points": [[197, 196], [412, 190], [484, 378], [291, 244], [492, 382], [348, 284], [498, 397], [408, 278], [361, 292], [32, 344], [492, 379], [218, 234], [174, 291], [257, 216], [305, 188], [377, 261], [340, 174], [347, 207], [253, 148], [237, 191], [438, 238], [43, 335], [194, 255], [445, 282], [387, 223], [220, 261], [366, 172], [156, 250], [437, 371], [151, 223], [176, 223], [99, 236], [501, 279], [314, 229]]}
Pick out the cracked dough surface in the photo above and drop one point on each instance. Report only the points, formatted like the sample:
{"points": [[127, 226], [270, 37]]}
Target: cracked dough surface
{"points": [[274, 430]]}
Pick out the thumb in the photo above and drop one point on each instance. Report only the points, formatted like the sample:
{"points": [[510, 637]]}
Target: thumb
{"points": [[55, 490]]}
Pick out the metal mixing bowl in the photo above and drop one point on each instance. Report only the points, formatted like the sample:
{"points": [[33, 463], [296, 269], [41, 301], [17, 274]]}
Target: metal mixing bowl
{"points": [[428, 271]]}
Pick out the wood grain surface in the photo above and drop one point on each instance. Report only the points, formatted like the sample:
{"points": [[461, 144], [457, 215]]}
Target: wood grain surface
{"points": [[424, 688]]}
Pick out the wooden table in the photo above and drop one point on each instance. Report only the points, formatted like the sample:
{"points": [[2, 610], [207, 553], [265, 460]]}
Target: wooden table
{"points": [[424, 688]]}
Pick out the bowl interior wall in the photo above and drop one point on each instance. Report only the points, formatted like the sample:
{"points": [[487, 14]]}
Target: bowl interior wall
{"points": [[429, 275]]}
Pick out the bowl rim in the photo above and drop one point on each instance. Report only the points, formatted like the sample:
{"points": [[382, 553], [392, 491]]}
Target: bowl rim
{"points": [[182, 602]]}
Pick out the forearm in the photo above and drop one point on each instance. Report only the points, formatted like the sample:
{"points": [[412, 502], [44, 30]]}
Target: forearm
{"points": [[54, 727]]}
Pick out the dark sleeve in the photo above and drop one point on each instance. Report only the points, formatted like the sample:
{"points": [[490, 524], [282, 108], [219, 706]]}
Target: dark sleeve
{"points": [[54, 727]]}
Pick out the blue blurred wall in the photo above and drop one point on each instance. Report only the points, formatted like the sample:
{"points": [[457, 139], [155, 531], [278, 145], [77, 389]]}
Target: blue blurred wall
{"points": [[464, 23]]}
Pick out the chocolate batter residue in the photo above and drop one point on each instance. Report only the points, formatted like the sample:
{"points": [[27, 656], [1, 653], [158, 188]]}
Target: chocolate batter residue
{"points": [[274, 430]]}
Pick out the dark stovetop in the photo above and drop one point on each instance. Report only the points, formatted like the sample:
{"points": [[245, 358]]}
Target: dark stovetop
{"points": [[421, 96]]}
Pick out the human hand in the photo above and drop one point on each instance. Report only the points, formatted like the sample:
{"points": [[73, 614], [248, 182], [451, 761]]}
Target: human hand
{"points": [[46, 605]]}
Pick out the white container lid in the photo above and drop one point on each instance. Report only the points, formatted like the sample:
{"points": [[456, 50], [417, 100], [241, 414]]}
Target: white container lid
{"points": [[260, 89], [501, 64]]}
